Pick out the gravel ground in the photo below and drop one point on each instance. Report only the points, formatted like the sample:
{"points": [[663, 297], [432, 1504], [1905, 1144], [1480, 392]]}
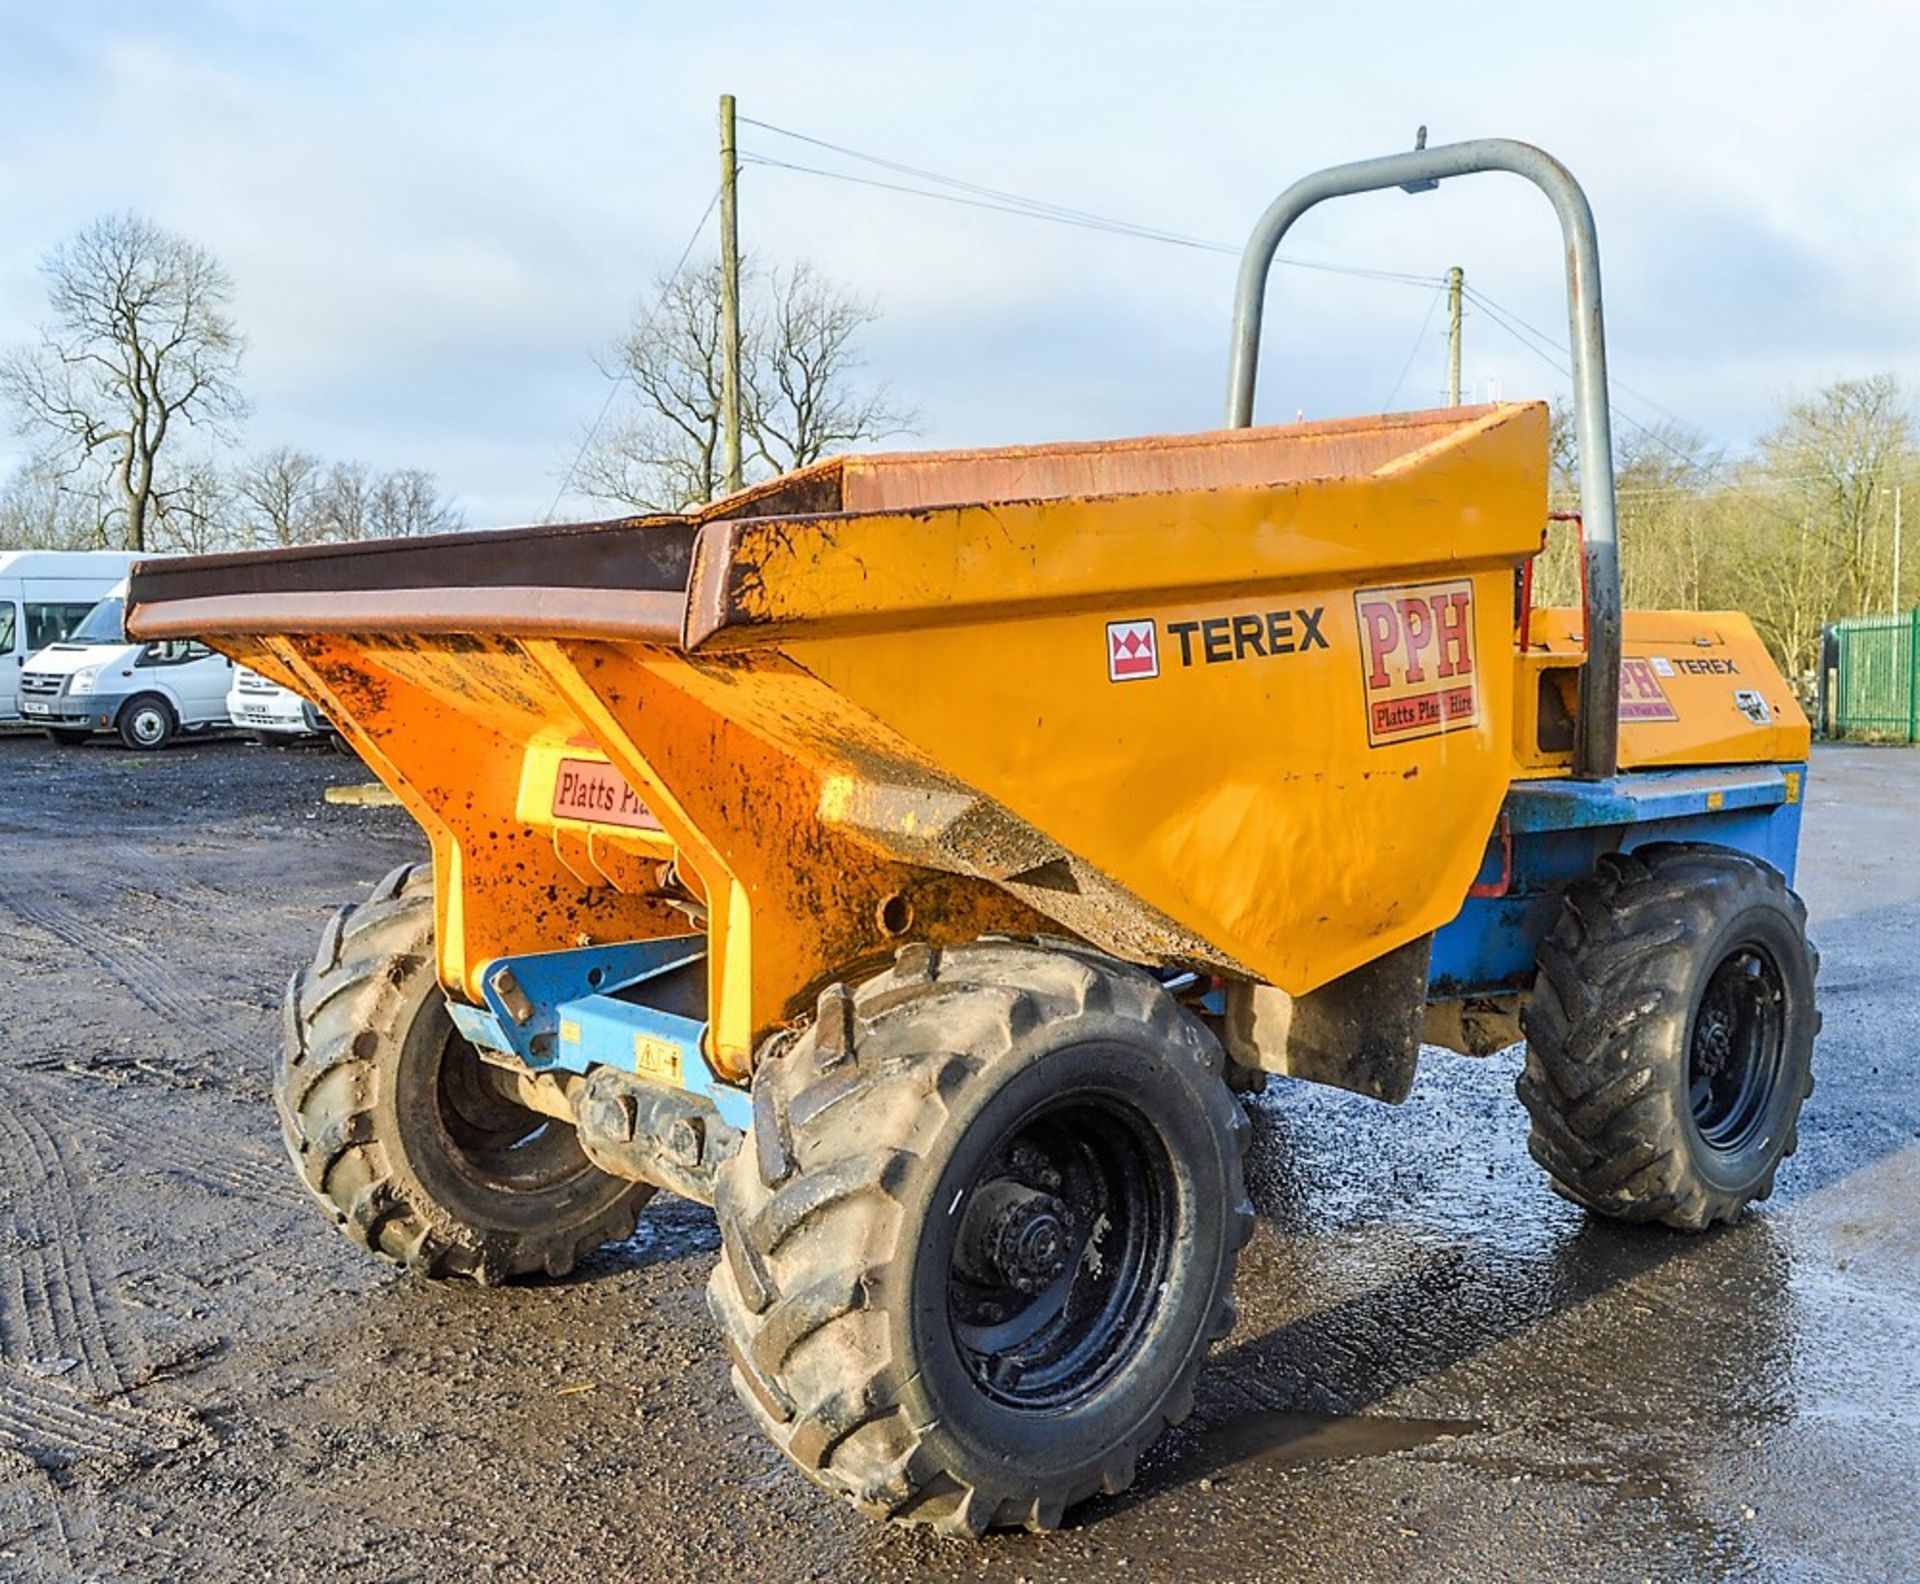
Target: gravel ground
{"points": [[1440, 1368]]}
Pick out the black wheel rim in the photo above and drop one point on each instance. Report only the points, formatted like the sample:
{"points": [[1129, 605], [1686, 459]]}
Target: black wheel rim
{"points": [[493, 1140], [1736, 1049], [1064, 1243]]}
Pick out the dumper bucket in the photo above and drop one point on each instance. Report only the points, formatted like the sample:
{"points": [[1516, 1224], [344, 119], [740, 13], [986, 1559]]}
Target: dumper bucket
{"points": [[1238, 701]]}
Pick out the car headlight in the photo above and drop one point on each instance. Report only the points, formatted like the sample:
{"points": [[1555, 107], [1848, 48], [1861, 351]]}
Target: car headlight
{"points": [[82, 680]]}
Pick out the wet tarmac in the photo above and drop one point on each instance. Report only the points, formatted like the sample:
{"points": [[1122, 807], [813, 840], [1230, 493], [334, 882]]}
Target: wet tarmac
{"points": [[1441, 1370]]}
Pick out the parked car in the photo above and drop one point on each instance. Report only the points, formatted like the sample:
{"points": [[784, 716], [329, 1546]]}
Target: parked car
{"points": [[95, 680], [44, 595], [268, 712]]}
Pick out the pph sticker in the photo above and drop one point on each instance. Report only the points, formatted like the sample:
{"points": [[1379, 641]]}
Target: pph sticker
{"points": [[1417, 659], [1642, 698]]}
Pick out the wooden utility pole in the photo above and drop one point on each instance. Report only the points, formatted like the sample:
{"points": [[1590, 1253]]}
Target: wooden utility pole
{"points": [[729, 302], [1456, 277]]}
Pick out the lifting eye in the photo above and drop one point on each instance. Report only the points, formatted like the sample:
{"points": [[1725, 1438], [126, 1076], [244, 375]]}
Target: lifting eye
{"points": [[895, 915]]}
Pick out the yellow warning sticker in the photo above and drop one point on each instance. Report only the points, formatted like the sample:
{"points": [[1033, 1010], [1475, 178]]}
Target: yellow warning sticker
{"points": [[656, 1058], [569, 1032], [1793, 786]]}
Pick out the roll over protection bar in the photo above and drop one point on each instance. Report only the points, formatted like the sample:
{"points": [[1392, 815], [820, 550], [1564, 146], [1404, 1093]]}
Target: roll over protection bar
{"points": [[1597, 739]]}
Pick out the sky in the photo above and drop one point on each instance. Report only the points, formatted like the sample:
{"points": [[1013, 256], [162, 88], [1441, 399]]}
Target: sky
{"points": [[437, 215]]}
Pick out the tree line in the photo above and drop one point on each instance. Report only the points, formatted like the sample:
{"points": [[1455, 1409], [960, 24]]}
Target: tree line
{"points": [[132, 394], [132, 397], [1799, 532]]}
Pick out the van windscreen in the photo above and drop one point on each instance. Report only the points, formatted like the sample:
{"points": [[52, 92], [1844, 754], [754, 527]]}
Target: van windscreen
{"points": [[106, 623]]}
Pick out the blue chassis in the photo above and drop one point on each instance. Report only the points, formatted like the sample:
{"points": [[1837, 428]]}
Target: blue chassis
{"points": [[588, 1007]]}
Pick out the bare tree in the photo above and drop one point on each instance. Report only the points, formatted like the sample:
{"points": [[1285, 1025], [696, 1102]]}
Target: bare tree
{"points": [[279, 493], [139, 345], [407, 503], [799, 399], [43, 507], [196, 515], [340, 508], [348, 502], [1834, 459]]}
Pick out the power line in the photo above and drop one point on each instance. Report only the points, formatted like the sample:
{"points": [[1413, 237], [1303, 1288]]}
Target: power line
{"points": [[1029, 211], [976, 188], [1407, 368], [975, 195], [1530, 338], [1665, 412], [614, 384]]}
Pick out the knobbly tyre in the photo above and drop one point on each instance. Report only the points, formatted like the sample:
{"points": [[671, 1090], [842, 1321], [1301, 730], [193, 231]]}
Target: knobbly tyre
{"points": [[909, 855]]}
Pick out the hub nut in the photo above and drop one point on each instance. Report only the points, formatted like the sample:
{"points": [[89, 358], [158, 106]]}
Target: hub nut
{"points": [[1016, 1236]]}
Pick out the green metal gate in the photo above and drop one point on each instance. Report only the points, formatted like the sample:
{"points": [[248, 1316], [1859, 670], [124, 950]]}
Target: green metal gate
{"points": [[1876, 683]]}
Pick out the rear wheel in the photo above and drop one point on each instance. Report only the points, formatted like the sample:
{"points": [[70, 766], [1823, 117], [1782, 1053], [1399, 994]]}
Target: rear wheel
{"points": [[981, 1234], [388, 1114], [1670, 1036], [147, 721]]}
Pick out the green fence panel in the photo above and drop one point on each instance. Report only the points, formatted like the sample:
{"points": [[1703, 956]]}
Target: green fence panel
{"points": [[1877, 685]]}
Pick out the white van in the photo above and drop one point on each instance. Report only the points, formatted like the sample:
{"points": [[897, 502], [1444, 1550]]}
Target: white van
{"points": [[267, 712], [44, 595], [96, 681]]}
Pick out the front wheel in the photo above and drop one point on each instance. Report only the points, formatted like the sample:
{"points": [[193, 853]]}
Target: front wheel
{"points": [[1670, 1036], [981, 1233], [390, 1118], [147, 722]]}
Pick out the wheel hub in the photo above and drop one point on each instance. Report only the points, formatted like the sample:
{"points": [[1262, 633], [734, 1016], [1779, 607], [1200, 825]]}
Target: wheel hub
{"points": [[1715, 1036], [1735, 1057], [1016, 1236]]}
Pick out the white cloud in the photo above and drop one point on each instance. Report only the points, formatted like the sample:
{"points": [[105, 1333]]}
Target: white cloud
{"points": [[436, 213]]}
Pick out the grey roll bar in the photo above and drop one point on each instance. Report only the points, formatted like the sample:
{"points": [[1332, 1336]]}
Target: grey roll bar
{"points": [[1596, 749]]}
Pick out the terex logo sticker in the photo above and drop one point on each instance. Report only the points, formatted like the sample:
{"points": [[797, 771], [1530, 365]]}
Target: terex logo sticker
{"points": [[1133, 648], [1417, 659], [1131, 651]]}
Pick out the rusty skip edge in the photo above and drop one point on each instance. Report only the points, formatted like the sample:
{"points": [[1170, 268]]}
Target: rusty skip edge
{"points": [[636, 615], [645, 616], [625, 578], [668, 617], [202, 599]]}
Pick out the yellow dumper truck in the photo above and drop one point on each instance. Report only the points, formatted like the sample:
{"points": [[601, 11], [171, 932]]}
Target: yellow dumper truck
{"points": [[911, 856]]}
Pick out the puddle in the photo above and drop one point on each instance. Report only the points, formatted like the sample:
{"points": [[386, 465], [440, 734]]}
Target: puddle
{"points": [[1284, 1440]]}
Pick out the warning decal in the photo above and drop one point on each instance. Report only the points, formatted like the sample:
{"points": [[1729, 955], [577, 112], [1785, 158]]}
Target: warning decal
{"points": [[1417, 659], [1131, 651], [1641, 696]]}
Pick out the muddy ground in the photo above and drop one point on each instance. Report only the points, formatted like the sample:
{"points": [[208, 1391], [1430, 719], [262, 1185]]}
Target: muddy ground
{"points": [[1440, 1370]]}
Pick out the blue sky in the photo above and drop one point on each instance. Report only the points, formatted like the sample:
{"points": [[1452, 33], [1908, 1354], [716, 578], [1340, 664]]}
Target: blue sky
{"points": [[436, 213]]}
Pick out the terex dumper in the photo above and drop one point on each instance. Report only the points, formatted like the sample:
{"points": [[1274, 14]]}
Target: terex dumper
{"points": [[911, 856]]}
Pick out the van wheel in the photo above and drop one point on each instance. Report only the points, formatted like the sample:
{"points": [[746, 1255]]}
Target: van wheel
{"points": [[69, 736], [147, 722]]}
